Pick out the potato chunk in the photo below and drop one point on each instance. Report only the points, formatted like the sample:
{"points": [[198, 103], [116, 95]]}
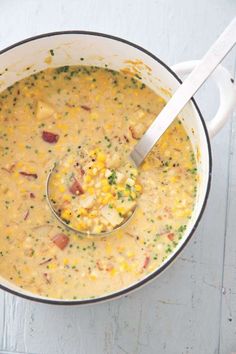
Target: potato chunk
{"points": [[125, 206], [113, 161], [137, 130], [111, 215], [44, 110], [87, 202]]}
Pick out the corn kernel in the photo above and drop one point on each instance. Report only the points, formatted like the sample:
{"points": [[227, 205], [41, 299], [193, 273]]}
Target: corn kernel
{"points": [[93, 115], [145, 166], [105, 189], [101, 157], [61, 189], [48, 60], [93, 213], [82, 211], [23, 190], [120, 235], [130, 182], [113, 272], [63, 127], [138, 187], [124, 266], [120, 248], [134, 171], [97, 229], [99, 165], [107, 198], [93, 277], [52, 266], [174, 179], [121, 210], [139, 213], [108, 126], [66, 197], [81, 225], [19, 164], [87, 178], [94, 152], [91, 190], [120, 188], [130, 254], [108, 249], [94, 171], [104, 182], [66, 214]]}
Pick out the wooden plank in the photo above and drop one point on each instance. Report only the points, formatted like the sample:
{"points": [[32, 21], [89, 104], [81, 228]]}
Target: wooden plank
{"points": [[180, 311], [228, 316], [12, 326]]}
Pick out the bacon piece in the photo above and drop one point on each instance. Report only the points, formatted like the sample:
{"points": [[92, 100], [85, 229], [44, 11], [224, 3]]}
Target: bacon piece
{"points": [[33, 175], [86, 108], [29, 252], [9, 169], [32, 195], [100, 267], [146, 262], [76, 188], [79, 168], [137, 130], [133, 133], [26, 215], [47, 278], [82, 171], [109, 267], [46, 261], [50, 138], [69, 105], [60, 240], [171, 236]]}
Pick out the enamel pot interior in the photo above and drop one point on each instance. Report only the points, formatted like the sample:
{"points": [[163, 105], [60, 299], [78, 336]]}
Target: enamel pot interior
{"points": [[86, 48]]}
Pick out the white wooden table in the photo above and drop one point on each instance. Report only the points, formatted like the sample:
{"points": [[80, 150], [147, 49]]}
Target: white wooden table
{"points": [[191, 308]]}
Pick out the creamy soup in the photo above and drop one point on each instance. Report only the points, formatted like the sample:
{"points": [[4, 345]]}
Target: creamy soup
{"points": [[60, 112]]}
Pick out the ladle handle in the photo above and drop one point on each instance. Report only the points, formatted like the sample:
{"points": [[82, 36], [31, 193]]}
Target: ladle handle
{"points": [[194, 81], [226, 86]]}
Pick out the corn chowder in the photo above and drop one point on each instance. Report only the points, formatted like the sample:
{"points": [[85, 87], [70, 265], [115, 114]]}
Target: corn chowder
{"points": [[57, 114]]}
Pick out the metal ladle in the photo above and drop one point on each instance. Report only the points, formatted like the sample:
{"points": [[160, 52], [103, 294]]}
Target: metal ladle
{"points": [[187, 89]]}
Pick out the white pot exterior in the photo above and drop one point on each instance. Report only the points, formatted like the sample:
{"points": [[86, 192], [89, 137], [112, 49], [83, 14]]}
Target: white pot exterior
{"points": [[28, 57]]}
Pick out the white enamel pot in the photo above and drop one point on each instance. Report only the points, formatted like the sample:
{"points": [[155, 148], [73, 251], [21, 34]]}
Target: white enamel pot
{"points": [[88, 48]]}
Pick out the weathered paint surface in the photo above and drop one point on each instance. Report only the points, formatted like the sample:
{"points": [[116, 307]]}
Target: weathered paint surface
{"points": [[191, 308]]}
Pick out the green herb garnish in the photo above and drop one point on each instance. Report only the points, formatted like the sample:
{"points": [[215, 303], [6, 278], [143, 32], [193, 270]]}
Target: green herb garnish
{"points": [[112, 178]]}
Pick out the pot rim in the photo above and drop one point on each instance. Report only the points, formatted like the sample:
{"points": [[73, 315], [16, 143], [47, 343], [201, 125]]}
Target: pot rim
{"points": [[158, 271]]}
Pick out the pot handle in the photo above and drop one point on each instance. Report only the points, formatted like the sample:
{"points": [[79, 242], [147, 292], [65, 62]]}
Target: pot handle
{"points": [[227, 90]]}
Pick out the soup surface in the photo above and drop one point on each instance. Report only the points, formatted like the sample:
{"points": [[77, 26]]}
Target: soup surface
{"points": [[58, 112]]}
